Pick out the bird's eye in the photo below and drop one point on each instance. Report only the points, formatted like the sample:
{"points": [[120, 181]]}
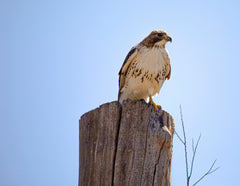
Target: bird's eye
{"points": [[160, 34]]}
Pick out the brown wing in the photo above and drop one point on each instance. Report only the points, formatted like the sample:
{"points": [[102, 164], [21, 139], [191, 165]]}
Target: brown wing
{"points": [[169, 73], [124, 69]]}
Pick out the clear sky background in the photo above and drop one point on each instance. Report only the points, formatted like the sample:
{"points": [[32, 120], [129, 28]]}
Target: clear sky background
{"points": [[60, 59]]}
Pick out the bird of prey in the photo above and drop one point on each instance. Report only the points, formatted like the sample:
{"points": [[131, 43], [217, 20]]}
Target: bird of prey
{"points": [[145, 69]]}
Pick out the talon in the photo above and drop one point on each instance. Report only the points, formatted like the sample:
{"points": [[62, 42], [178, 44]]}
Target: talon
{"points": [[159, 107], [156, 107], [135, 96]]}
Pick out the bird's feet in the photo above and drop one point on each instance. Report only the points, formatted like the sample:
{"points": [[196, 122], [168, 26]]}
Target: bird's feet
{"points": [[156, 107], [136, 96]]}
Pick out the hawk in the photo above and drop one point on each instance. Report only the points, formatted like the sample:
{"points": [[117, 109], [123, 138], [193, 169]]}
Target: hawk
{"points": [[145, 69]]}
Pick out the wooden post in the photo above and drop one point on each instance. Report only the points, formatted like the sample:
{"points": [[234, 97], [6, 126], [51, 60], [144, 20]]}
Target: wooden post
{"points": [[125, 145]]}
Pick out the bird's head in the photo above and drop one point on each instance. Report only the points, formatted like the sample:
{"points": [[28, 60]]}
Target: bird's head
{"points": [[157, 38]]}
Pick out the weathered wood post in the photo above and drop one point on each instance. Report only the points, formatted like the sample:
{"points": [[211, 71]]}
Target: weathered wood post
{"points": [[125, 145]]}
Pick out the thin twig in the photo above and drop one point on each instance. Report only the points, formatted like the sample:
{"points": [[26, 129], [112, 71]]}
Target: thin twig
{"points": [[185, 145], [194, 153], [210, 171], [179, 137], [194, 149]]}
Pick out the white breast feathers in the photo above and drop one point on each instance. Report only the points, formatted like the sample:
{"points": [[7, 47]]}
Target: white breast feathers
{"points": [[146, 74]]}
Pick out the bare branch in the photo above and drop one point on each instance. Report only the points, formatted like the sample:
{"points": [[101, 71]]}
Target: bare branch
{"points": [[210, 171], [179, 137], [214, 170], [185, 145], [184, 134], [194, 149], [194, 153]]}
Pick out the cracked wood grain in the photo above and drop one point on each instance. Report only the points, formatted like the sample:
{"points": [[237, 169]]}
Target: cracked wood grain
{"points": [[128, 144]]}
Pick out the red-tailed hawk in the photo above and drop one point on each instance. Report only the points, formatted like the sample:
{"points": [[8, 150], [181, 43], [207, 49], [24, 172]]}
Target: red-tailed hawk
{"points": [[145, 69]]}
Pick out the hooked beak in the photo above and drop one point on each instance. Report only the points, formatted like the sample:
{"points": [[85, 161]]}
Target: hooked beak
{"points": [[169, 38]]}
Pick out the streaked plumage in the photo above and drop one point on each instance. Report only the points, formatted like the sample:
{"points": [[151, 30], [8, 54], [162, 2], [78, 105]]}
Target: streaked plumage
{"points": [[145, 68]]}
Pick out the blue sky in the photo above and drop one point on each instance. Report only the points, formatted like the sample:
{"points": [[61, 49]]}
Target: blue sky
{"points": [[60, 59]]}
